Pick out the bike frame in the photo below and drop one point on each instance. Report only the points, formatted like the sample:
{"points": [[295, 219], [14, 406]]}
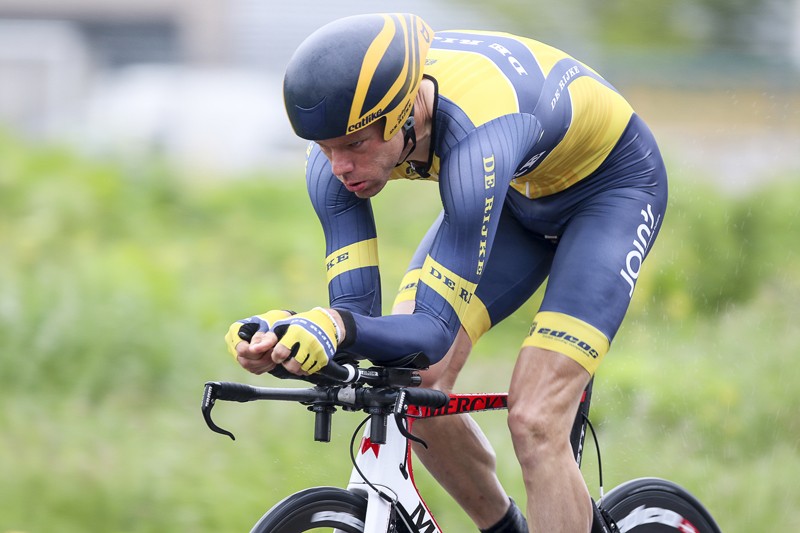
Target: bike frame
{"points": [[383, 473]]}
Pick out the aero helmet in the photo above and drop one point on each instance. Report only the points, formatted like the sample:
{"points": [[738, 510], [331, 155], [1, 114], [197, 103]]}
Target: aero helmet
{"points": [[354, 71]]}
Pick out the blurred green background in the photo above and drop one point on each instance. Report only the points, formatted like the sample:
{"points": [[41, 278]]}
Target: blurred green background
{"points": [[120, 274]]}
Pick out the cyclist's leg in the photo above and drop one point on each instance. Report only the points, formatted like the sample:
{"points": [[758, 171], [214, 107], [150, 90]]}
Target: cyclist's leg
{"points": [[518, 265], [544, 395], [468, 476], [604, 226], [580, 313]]}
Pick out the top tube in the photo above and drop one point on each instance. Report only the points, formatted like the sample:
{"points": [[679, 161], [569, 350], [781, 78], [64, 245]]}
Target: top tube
{"points": [[463, 403]]}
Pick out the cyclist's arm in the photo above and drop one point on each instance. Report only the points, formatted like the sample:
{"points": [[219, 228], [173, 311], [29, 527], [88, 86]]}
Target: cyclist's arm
{"points": [[351, 256], [473, 181]]}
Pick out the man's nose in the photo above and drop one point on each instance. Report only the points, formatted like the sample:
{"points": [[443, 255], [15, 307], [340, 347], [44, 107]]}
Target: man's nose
{"points": [[340, 163]]}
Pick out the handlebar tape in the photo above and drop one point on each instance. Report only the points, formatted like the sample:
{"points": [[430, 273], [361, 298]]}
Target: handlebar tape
{"points": [[235, 392], [426, 397]]}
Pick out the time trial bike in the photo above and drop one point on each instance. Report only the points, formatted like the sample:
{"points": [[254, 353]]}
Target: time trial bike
{"points": [[381, 495]]}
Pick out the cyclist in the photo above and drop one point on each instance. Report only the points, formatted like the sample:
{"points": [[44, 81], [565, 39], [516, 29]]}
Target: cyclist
{"points": [[543, 169]]}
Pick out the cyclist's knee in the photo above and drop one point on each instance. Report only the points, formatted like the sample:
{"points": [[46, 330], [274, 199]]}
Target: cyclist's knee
{"points": [[534, 429], [543, 400]]}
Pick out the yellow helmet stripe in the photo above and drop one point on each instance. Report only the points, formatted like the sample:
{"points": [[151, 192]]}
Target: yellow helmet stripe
{"points": [[402, 83], [404, 76], [370, 64], [412, 38]]}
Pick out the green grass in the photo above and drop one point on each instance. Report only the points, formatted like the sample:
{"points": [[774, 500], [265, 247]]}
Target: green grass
{"points": [[117, 283]]}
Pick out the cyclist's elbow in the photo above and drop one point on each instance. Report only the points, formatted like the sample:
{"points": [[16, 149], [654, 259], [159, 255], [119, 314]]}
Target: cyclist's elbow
{"points": [[438, 348]]}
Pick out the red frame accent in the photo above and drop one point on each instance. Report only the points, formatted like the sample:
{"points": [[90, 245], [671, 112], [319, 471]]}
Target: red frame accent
{"points": [[467, 403], [464, 403]]}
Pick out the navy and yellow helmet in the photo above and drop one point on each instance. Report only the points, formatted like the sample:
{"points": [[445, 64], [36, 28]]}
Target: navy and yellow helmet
{"points": [[354, 71]]}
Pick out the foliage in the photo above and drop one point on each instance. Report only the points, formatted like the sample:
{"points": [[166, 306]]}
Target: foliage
{"points": [[118, 281], [717, 252]]}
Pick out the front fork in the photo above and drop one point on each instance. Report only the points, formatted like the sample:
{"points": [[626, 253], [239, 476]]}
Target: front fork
{"points": [[381, 466]]}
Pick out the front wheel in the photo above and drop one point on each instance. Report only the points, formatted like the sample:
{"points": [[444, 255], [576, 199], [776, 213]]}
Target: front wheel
{"points": [[316, 509], [651, 505]]}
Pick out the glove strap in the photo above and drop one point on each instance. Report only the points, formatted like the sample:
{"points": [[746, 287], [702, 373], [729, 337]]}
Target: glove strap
{"points": [[349, 328], [337, 330]]}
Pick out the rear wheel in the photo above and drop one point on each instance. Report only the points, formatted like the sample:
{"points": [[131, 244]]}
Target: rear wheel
{"points": [[651, 505], [316, 509]]}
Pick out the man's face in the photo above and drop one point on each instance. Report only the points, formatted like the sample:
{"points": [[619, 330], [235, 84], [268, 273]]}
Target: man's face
{"points": [[363, 161]]}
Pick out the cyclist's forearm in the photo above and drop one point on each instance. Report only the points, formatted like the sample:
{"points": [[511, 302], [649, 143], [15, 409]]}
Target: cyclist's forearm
{"points": [[390, 338]]}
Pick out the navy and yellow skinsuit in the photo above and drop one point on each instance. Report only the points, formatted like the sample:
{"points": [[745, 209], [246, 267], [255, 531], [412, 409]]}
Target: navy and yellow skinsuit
{"points": [[543, 170]]}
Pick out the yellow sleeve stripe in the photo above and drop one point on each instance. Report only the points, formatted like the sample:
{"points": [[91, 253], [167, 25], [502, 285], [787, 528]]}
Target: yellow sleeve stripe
{"points": [[476, 320], [408, 287], [356, 255], [567, 335], [456, 291]]}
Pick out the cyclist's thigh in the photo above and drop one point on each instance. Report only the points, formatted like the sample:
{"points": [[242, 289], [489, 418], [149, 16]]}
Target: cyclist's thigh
{"points": [[600, 255], [518, 263], [605, 226]]}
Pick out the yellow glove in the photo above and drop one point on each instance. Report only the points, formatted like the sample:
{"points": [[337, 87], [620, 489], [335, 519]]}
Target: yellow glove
{"points": [[249, 326], [312, 336]]}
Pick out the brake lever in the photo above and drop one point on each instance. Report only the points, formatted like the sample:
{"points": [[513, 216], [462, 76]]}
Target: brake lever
{"points": [[399, 411], [209, 399]]}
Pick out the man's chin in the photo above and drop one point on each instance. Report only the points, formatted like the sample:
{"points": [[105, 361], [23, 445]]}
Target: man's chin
{"points": [[370, 191]]}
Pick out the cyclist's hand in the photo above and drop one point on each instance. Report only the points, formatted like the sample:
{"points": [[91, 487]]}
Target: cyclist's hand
{"points": [[255, 354], [307, 340]]}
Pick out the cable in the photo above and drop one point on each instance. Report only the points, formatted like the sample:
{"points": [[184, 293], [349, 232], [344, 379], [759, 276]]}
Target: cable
{"points": [[357, 432], [599, 458]]}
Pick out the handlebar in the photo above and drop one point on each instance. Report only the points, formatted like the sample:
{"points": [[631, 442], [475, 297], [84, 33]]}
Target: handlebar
{"points": [[378, 391]]}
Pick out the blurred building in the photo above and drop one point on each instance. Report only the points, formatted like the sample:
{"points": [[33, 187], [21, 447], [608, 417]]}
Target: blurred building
{"points": [[200, 81]]}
